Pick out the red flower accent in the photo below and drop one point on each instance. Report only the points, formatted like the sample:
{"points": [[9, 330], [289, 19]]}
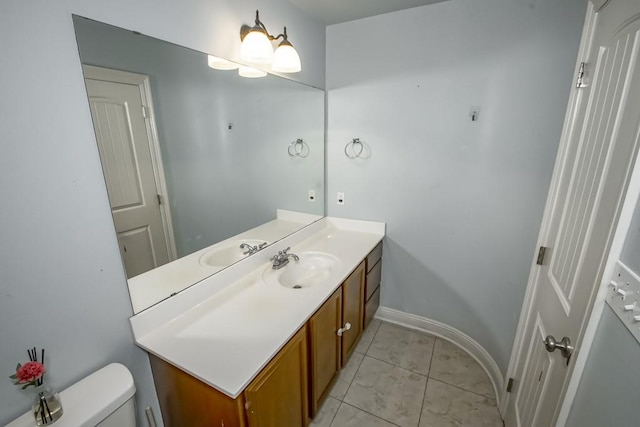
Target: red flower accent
{"points": [[30, 372]]}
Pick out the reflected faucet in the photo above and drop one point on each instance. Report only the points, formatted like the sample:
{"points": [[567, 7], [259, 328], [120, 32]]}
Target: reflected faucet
{"points": [[250, 250], [282, 258]]}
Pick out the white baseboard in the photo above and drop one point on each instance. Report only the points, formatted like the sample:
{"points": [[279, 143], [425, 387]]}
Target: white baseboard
{"points": [[450, 334]]}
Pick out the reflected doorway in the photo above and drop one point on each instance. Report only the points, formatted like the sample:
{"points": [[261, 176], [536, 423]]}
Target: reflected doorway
{"points": [[122, 116]]}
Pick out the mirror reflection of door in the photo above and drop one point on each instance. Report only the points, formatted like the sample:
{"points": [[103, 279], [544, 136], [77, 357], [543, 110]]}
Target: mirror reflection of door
{"points": [[125, 138]]}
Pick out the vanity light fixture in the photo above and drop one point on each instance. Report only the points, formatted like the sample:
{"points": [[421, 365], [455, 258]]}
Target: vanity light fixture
{"points": [[256, 48]]}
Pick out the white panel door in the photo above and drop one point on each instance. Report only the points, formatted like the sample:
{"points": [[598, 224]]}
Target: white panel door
{"points": [[594, 162], [121, 133]]}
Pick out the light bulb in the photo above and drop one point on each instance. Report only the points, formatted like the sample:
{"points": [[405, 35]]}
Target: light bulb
{"points": [[251, 73], [286, 59], [256, 48]]}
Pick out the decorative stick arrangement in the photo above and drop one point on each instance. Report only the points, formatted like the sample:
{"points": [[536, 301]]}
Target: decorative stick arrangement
{"points": [[43, 407], [47, 408], [33, 357]]}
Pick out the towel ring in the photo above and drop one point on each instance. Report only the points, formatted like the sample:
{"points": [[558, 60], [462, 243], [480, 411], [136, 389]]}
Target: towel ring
{"points": [[351, 150], [298, 148]]}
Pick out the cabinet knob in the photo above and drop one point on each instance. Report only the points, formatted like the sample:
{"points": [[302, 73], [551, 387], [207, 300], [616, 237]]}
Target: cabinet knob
{"points": [[344, 329]]}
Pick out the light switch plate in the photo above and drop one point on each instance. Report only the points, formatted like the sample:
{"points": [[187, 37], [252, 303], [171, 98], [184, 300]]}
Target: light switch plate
{"points": [[625, 281]]}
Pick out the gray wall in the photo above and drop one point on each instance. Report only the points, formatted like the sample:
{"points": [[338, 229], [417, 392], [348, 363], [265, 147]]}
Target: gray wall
{"points": [[608, 393], [221, 181], [631, 250], [62, 282], [462, 200]]}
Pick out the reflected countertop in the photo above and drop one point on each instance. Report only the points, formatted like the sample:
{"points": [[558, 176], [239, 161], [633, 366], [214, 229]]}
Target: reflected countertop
{"points": [[226, 338]]}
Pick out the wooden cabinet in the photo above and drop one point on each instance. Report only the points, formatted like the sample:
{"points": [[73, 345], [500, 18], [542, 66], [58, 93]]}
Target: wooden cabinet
{"points": [[352, 311], [293, 384], [371, 306], [334, 331], [187, 401], [372, 284], [277, 397], [324, 348]]}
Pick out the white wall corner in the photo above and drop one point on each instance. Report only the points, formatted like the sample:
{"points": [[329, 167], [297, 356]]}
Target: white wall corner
{"points": [[451, 334]]}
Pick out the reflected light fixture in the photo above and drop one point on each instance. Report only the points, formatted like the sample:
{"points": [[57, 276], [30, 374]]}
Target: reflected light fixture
{"points": [[252, 73], [221, 63], [256, 48]]}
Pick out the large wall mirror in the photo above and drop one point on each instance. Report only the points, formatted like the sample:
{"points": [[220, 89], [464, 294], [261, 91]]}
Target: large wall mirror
{"points": [[203, 167]]}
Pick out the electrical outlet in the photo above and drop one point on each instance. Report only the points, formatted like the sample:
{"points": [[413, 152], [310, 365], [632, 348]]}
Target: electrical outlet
{"points": [[474, 113], [340, 199], [312, 195]]}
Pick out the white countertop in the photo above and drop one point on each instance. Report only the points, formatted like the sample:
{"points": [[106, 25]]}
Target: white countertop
{"points": [[227, 338]]}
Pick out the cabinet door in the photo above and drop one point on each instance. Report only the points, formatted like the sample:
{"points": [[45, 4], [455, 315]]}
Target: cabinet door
{"points": [[187, 401], [352, 310], [278, 396], [325, 347]]}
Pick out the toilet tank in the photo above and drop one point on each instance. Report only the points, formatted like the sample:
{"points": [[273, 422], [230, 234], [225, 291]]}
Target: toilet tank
{"points": [[104, 398]]}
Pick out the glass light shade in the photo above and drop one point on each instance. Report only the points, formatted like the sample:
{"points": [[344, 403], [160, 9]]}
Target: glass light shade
{"points": [[251, 73], [286, 59], [221, 64], [256, 48]]}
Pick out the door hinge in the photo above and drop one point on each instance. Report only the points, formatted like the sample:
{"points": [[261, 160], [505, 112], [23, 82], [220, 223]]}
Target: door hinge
{"points": [[580, 82], [159, 199], [541, 253], [145, 113], [510, 385]]}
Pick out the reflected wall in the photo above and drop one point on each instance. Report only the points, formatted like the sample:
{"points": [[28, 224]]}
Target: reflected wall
{"points": [[223, 138]]}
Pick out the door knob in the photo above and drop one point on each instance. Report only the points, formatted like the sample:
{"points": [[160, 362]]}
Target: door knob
{"points": [[565, 347]]}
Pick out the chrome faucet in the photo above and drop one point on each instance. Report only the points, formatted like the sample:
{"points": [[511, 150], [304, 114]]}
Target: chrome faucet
{"points": [[250, 250], [282, 258]]}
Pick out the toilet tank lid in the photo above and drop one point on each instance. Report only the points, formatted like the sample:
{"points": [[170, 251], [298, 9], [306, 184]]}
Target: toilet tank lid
{"points": [[91, 399]]}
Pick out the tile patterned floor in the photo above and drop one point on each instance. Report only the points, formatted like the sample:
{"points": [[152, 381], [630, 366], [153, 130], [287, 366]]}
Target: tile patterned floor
{"points": [[398, 377]]}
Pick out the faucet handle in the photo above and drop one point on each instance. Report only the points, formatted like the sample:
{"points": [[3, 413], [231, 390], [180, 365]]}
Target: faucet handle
{"points": [[281, 255]]}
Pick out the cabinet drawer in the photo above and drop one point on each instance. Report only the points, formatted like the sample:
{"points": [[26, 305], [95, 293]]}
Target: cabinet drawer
{"points": [[371, 307], [373, 280], [374, 256]]}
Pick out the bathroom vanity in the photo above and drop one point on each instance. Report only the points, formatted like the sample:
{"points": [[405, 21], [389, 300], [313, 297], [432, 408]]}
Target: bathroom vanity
{"points": [[255, 346]]}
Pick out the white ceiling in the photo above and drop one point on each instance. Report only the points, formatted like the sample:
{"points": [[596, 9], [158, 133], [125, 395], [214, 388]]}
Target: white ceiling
{"points": [[336, 11]]}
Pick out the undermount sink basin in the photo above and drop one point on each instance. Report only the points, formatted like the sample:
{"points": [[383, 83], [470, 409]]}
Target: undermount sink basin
{"points": [[312, 269], [227, 254]]}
